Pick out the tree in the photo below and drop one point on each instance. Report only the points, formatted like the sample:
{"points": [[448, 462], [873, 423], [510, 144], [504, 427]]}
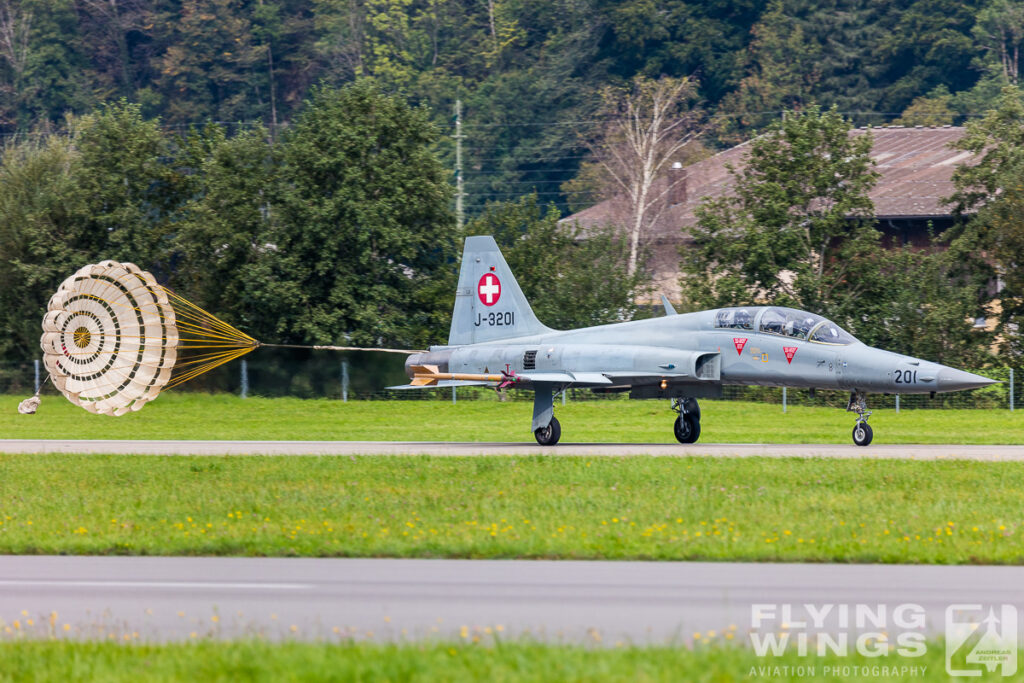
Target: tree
{"points": [[222, 227], [798, 229], [213, 64], [1000, 30], [365, 223], [783, 70], [917, 46], [923, 303], [571, 279], [15, 27], [106, 189], [932, 110], [110, 25], [130, 184], [649, 126], [43, 235], [989, 198]]}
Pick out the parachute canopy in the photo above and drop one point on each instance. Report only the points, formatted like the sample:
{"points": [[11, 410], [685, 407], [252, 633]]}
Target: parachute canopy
{"points": [[113, 338]]}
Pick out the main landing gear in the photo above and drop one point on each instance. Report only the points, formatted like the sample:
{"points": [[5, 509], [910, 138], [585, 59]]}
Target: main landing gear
{"points": [[549, 436], [687, 426], [546, 429], [862, 432]]}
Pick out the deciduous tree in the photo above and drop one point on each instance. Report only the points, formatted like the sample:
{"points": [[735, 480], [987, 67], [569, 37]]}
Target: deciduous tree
{"points": [[130, 184], [44, 235], [648, 126], [365, 222], [990, 198], [1000, 31], [222, 227], [799, 224]]}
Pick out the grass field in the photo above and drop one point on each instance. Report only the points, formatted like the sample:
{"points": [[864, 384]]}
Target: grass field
{"points": [[198, 416], [764, 509], [216, 661]]}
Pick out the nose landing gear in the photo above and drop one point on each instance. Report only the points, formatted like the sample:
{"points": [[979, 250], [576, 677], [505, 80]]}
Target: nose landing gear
{"points": [[862, 432], [687, 426]]}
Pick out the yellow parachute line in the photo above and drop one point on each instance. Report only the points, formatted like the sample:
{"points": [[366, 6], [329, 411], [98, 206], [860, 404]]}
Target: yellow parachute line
{"points": [[207, 342], [113, 339]]}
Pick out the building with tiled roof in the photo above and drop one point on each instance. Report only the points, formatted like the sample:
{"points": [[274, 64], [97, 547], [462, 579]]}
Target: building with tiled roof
{"points": [[915, 167]]}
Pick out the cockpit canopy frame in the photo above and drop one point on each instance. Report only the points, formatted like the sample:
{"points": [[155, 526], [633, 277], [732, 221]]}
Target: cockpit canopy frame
{"points": [[784, 322]]}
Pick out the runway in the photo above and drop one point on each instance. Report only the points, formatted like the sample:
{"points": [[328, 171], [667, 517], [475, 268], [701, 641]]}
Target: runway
{"points": [[883, 451], [173, 598]]}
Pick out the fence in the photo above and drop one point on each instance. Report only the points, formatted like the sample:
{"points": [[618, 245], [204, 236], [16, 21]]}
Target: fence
{"points": [[364, 376]]}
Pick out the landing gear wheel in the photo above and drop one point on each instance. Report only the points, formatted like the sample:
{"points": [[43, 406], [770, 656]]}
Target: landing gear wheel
{"points": [[687, 428], [862, 434], [549, 436]]}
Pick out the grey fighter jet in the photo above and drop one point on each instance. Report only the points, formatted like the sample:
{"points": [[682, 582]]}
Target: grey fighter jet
{"points": [[496, 340]]}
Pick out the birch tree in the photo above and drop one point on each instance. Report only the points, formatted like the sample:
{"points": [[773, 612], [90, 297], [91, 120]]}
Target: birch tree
{"points": [[648, 127]]}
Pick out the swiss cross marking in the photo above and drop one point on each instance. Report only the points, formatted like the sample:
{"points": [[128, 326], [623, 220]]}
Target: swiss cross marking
{"points": [[739, 343], [489, 289], [790, 351]]}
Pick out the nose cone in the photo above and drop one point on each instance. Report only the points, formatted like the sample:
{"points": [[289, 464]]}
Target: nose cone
{"points": [[951, 379]]}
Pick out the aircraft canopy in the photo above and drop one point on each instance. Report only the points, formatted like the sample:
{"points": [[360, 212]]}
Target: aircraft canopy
{"points": [[785, 322]]}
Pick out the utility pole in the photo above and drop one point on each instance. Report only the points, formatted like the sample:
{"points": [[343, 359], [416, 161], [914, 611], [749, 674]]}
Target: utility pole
{"points": [[460, 217]]}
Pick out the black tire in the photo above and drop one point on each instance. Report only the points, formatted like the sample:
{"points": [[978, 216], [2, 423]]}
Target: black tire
{"points": [[549, 436], [691, 406], [862, 434], [687, 428]]}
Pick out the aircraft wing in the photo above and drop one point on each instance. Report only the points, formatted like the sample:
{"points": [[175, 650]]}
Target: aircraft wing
{"points": [[565, 377], [620, 376], [430, 376]]}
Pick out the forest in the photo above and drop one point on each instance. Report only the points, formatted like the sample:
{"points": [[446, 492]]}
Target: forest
{"points": [[528, 72], [292, 162]]}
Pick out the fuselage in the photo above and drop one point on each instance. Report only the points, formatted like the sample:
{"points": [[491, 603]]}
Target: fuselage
{"points": [[753, 345]]}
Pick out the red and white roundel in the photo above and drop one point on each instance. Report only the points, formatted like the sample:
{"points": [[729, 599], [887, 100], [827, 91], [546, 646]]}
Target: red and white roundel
{"points": [[489, 289]]}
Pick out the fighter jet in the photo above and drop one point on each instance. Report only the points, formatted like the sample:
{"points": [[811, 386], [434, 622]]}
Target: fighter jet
{"points": [[496, 340]]}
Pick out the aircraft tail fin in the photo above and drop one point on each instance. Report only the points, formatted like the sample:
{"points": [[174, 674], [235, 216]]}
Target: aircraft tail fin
{"points": [[488, 302]]}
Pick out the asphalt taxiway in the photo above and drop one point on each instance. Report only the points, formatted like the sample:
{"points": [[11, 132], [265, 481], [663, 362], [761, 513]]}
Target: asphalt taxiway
{"points": [[883, 451], [174, 598]]}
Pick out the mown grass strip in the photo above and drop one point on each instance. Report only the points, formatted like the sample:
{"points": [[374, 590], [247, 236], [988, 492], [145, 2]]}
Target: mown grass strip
{"points": [[763, 509], [199, 416], [439, 661]]}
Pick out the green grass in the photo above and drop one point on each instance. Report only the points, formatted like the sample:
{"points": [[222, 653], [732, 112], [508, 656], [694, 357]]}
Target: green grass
{"points": [[757, 509], [199, 416], [438, 661]]}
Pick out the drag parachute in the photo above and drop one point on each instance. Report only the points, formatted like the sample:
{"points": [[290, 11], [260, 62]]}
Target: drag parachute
{"points": [[113, 339]]}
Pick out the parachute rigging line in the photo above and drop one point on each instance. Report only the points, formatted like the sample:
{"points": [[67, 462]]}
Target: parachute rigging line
{"points": [[114, 338]]}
